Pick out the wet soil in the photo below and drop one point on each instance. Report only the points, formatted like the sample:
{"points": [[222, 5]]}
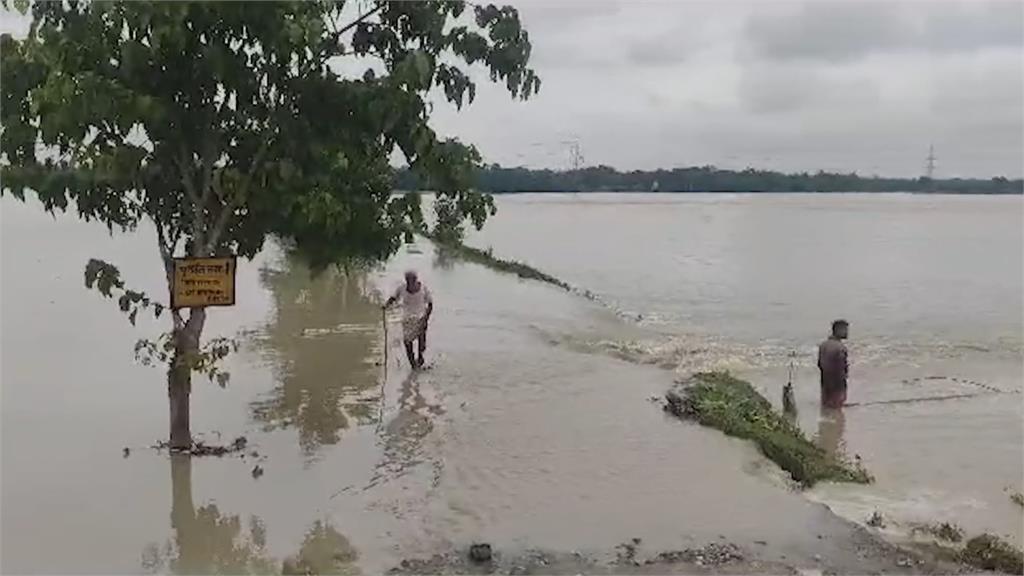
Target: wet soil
{"points": [[632, 557]]}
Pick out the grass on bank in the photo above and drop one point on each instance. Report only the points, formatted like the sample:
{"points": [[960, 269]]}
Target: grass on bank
{"points": [[488, 259], [989, 552], [941, 530], [718, 400], [983, 552]]}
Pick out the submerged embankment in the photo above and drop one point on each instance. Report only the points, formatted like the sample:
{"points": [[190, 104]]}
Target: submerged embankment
{"points": [[529, 432], [748, 283]]}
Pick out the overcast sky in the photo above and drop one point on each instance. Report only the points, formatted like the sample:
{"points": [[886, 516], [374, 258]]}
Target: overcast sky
{"points": [[863, 86], [833, 85]]}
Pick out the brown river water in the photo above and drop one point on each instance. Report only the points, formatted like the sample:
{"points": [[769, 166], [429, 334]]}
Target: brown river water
{"points": [[534, 425]]}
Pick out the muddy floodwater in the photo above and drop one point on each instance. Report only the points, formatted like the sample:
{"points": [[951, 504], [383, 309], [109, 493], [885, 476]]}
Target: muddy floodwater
{"points": [[533, 426]]}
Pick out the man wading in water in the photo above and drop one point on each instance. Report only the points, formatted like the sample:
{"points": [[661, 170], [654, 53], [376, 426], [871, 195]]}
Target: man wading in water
{"points": [[834, 367], [417, 305]]}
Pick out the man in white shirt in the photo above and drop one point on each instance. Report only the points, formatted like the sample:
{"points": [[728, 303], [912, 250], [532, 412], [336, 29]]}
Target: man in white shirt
{"points": [[417, 306]]}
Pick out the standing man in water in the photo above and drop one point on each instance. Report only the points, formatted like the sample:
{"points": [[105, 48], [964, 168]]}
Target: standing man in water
{"points": [[832, 361], [417, 306]]}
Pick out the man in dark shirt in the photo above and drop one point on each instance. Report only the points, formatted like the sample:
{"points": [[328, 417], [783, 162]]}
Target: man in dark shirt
{"points": [[832, 361]]}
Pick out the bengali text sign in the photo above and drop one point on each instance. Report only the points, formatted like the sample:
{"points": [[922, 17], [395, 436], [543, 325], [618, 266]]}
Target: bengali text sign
{"points": [[203, 282]]}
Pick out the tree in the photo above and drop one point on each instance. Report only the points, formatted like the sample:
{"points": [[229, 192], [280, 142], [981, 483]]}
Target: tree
{"points": [[224, 123]]}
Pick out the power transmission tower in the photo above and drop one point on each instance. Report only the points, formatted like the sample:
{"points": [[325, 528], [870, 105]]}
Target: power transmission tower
{"points": [[575, 153], [929, 170]]}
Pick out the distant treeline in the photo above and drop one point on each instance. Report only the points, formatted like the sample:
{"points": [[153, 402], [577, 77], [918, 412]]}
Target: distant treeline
{"points": [[497, 179]]}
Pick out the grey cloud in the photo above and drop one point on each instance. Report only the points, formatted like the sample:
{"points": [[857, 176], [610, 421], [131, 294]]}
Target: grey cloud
{"points": [[972, 27], [543, 16], [569, 34], [670, 48], [563, 33], [774, 89], [838, 32]]}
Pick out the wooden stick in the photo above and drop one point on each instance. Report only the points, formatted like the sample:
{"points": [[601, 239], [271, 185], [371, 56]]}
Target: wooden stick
{"points": [[384, 376]]}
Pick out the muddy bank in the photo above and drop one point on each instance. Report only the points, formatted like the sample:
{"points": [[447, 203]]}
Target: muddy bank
{"points": [[720, 557]]}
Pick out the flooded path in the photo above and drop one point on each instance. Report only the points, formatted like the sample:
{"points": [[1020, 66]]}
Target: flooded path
{"points": [[518, 434], [932, 286]]}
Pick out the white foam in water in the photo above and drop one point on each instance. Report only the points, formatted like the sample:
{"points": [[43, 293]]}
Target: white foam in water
{"points": [[899, 510], [339, 329]]}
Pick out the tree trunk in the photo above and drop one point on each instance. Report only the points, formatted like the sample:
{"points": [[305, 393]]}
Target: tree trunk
{"points": [[179, 387], [179, 378]]}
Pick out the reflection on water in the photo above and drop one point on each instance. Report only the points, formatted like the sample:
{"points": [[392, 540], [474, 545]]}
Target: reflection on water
{"points": [[324, 551], [206, 541], [324, 339], [831, 425], [404, 433]]}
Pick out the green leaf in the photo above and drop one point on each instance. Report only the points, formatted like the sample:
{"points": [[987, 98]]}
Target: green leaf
{"points": [[222, 379], [424, 67]]}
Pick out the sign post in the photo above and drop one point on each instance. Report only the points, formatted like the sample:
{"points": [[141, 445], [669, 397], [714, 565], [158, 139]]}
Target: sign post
{"points": [[203, 282]]}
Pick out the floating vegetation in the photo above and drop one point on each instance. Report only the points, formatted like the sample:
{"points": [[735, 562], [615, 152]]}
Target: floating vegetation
{"points": [[941, 530], [989, 552], [718, 400], [201, 448], [876, 520], [1017, 498]]}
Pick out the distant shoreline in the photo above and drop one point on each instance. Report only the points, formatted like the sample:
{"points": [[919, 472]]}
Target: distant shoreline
{"points": [[752, 192], [497, 179], [747, 192]]}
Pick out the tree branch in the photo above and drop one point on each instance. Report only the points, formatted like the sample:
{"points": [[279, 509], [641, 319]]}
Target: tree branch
{"points": [[193, 196], [163, 237], [238, 197], [356, 22], [179, 322], [167, 256], [336, 35], [208, 161]]}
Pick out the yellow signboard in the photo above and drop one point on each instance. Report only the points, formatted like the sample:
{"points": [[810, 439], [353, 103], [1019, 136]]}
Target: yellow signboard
{"points": [[203, 282]]}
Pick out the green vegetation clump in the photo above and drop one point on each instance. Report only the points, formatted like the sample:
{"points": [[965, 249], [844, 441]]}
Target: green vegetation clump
{"points": [[488, 259], [1017, 498], [989, 552], [942, 531], [718, 400]]}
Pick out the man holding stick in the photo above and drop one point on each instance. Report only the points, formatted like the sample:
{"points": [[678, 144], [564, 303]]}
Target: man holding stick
{"points": [[417, 306]]}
